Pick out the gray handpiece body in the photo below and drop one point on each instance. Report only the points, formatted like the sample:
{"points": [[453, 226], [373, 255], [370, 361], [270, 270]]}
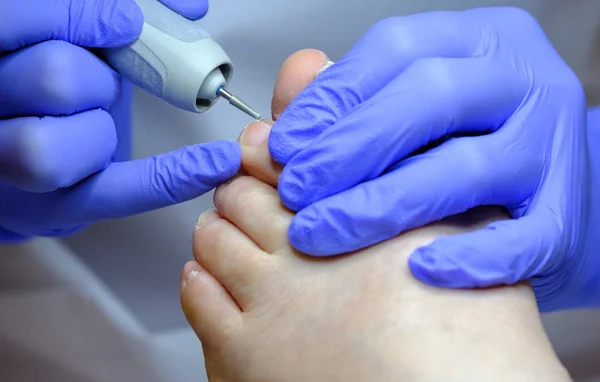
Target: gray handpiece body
{"points": [[174, 59]]}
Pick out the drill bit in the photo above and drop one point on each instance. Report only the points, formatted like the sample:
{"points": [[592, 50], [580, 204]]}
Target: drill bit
{"points": [[238, 103]]}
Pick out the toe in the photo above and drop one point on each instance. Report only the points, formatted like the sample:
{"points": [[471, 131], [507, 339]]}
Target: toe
{"points": [[256, 160], [255, 208], [209, 309], [299, 70], [231, 258]]}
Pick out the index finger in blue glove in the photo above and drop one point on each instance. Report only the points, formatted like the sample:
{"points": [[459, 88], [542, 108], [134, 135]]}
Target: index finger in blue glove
{"points": [[122, 189], [415, 192], [432, 99], [142, 185], [191, 9], [88, 23], [383, 53]]}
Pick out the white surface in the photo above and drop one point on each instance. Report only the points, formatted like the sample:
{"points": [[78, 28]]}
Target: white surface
{"points": [[129, 294]]}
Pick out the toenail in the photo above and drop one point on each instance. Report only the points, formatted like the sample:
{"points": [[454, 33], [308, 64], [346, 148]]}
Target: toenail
{"points": [[206, 218], [255, 134], [242, 133], [190, 276], [327, 65]]}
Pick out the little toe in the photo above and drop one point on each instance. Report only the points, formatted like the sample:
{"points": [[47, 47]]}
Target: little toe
{"points": [[209, 309], [255, 208], [231, 257]]}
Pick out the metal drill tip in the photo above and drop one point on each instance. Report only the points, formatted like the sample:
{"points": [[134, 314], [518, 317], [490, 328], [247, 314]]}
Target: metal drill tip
{"points": [[238, 103]]}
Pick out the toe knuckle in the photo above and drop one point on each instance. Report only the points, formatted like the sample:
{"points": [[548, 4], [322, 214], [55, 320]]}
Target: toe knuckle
{"points": [[233, 193], [206, 237], [225, 197], [240, 185], [219, 196]]}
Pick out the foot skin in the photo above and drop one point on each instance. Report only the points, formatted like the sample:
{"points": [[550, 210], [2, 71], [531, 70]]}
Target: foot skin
{"points": [[267, 313]]}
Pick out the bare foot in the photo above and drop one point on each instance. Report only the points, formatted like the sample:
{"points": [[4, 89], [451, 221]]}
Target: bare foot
{"points": [[266, 313]]}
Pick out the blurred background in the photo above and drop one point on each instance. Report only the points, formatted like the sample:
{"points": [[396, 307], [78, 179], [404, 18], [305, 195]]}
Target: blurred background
{"points": [[103, 305]]}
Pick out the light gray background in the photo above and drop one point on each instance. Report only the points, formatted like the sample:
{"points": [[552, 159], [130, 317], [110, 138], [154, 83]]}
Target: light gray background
{"points": [[140, 258]]}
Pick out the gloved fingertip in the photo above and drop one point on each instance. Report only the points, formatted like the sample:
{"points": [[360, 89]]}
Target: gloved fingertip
{"points": [[224, 159], [420, 263], [310, 234], [192, 10], [290, 191], [189, 172], [303, 236], [278, 145], [116, 24], [299, 237], [9, 237], [198, 11], [431, 268], [135, 18]]}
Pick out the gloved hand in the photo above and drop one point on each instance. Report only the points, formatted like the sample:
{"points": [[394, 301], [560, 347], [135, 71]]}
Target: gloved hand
{"points": [[428, 116], [64, 120], [191, 9]]}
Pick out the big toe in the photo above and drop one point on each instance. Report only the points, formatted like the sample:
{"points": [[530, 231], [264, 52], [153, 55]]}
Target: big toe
{"points": [[297, 72]]}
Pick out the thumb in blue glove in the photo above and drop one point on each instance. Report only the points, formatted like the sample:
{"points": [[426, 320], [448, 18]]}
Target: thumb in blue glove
{"points": [[60, 124]]}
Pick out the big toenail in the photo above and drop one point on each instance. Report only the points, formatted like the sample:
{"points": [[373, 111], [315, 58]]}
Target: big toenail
{"points": [[206, 218]]}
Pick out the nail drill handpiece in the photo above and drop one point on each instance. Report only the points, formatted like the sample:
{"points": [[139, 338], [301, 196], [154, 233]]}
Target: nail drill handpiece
{"points": [[176, 60]]}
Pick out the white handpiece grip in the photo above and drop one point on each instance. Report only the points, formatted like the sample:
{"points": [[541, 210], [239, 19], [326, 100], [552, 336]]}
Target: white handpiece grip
{"points": [[174, 59]]}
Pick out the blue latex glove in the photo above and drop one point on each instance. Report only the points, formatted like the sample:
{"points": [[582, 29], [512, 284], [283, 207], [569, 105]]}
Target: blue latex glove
{"points": [[65, 119], [428, 116], [191, 9]]}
